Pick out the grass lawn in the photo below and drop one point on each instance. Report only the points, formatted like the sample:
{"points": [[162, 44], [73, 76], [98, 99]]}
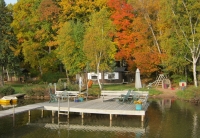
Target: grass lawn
{"points": [[19, 87]]}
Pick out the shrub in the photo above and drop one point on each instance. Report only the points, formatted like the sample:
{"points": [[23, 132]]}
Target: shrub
{"points": [[8, 90], [94, 91], [28, 91], [37, 90], [52, 77], [72, 87], [189, 93]]}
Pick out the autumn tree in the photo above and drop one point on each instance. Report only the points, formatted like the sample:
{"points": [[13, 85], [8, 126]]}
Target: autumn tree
{"points": [[122, 16], [81, 9], [35, 26], [98, 45]]}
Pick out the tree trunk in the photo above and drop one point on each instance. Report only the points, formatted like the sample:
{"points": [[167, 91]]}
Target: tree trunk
{"points": [[2, 78], [98, 77], [8, 77], [194, 72]]}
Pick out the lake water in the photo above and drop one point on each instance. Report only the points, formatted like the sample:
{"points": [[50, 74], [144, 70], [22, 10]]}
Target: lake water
{"points": [[165, 118]]}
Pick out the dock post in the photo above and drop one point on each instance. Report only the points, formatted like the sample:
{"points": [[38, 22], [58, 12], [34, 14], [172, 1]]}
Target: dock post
{"points": [[29, 112], [110, 123], [53, 113], [82, 115], [52, 120], [142, 118], [68, 105], [58, 106], [110, 117], [42, 113], [82, 121]]}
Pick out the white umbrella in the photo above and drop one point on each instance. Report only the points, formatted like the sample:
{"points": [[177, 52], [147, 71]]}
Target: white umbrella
{"points": [[138, 83]]}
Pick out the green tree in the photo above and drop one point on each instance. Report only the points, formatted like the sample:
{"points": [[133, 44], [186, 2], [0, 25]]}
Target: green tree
{"points": [[70, 49], [7, 41], [98, 45], [173, 62], [186, 30]]}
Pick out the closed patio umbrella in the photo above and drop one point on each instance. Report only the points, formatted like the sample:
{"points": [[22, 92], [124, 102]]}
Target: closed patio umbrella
{"points": [[138, 83]]}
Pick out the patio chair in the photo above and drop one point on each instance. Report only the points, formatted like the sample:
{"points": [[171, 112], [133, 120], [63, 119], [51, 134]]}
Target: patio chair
{"points": [[125, 98], [135, 97], [53, 97], [64, 95]]}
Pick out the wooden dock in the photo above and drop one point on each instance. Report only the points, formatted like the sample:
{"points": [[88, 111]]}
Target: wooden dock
{"points": [[16, 110], [97, 106]]}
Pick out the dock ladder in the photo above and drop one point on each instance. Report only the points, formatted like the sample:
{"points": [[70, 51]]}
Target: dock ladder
{"points": [[63, 112]]}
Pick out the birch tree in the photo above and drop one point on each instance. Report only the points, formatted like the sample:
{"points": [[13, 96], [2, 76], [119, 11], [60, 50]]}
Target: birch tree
{"points": [[187, 21], [98, 45]]}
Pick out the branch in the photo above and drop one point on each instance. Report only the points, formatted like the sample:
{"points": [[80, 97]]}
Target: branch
{"points": [[150, 26], [189, 16], [188, 59], [188, 44]]}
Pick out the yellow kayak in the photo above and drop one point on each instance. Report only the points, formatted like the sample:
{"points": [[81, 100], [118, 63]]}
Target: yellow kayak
{"points": [[8, 100]]}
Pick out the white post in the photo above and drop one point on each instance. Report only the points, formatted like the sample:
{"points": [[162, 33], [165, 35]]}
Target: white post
{"points": [[82, 115], [110, 117], [68, 106], [53, 113], [42, 113], [142, 118], [58, 106]]}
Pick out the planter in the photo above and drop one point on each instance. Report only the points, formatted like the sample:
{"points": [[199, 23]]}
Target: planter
{"points": [[76, 100], [80, 99], [138, 106]]}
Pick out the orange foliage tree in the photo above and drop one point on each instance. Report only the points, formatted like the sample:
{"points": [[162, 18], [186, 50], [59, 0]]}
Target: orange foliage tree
{"points": [[133, 38], [122, 16]]}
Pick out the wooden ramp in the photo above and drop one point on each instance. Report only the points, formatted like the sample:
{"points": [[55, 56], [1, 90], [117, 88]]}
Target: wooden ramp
{"points": [[16, 110]]}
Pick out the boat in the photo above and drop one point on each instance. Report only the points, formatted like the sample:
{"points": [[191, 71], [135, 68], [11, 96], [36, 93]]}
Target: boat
{"points": [[8, 100]]}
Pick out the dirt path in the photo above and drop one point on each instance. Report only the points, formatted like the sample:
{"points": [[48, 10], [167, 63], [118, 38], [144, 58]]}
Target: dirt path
{"points": [[167, 93]]}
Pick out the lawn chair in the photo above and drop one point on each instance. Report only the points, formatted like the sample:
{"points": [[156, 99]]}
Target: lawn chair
{"points": [[135, 97], [125, 98], [53, 97], [64, 95]]}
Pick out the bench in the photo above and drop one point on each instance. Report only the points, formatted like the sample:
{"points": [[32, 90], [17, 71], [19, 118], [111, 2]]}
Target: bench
{"points": [[70, 94], [109, 94]]}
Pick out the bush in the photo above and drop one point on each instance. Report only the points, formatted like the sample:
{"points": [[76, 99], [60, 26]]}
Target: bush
{"points": [[8, 90], [189, 93], [37, 90], [52, 77], [94, 91], [72, 87]]}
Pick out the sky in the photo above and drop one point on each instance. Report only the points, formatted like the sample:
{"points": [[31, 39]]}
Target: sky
{"points": [[10, 1]]}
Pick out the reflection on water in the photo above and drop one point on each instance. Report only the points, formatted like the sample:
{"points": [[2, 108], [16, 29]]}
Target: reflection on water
{"points": [[166, 118]]}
